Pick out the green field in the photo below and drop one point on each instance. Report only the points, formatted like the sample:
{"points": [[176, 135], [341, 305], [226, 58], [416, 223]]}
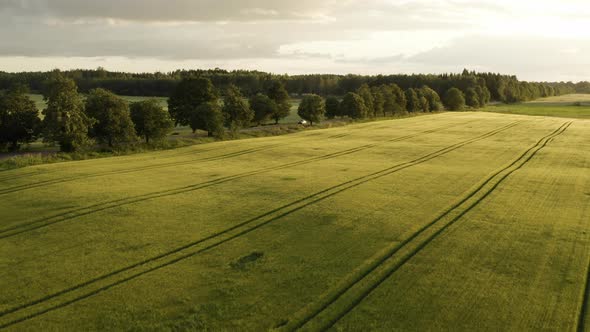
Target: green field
{"points": [[560, 106], [455, 221]]}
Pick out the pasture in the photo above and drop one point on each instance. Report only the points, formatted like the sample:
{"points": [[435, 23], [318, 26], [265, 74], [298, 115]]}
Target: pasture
{"points": [[568, 106], [455, 221]]}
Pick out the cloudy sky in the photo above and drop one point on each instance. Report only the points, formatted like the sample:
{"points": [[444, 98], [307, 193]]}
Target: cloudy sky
{"points": [[536, 40]]}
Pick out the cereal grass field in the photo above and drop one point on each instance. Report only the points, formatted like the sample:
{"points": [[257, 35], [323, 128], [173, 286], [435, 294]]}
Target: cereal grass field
{"points": [[454, 221], [569, 106]]}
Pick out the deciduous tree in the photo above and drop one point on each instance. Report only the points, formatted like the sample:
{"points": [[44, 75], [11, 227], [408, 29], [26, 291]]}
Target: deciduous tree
{"points": [[113, 124], [65, 121], [333, 107], [454, 99], [263, 108], [208, 117], [312, 108], [472, 98], [413, 102], [277, 93], [188, 95], [19, 119], [236, 111], [354, 106], [152, 121]]}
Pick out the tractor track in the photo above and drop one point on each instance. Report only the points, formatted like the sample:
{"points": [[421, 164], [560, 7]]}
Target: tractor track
{"points": [[132, 170], [585, 303], [102, 283], [44, 183], [356, 287], [193, 150], [82, 211]]}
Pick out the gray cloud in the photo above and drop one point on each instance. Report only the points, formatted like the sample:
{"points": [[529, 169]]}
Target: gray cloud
{"points": [[240, 32], [168, 10], [536, 57]]}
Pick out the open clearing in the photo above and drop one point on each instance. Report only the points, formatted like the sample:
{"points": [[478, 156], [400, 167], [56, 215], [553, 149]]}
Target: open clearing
{"points": [[568, 106], [456, 221]]}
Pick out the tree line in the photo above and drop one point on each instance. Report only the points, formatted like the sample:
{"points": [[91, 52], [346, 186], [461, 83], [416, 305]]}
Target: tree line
{"points": [[75, 122], [502, 88]]}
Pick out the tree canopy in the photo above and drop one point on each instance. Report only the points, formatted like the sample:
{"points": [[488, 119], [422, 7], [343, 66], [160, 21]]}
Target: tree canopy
{"points": [[263, 108], [113, 125], [277, 93], [188, 95], [236, 111], [65, 121], [19, 119], [354, 106], [151, 121], [312, 108], [454, 99], [333, 107]]}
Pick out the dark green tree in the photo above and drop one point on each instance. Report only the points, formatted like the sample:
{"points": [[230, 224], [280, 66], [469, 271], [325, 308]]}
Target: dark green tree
{"points": [[65, 121], [332, 107], [113, 124], [434, 102], [208, 117], [277, 93], [19, 119], [400, 98], [483, 95], [263, 108], [354, 106], [424, 104], [413, 102], [454, 99], [394, 99], [152, 121], [188, 95], [312, 108], [378, 101], [471, 98], [236, 111], [365, 92]]}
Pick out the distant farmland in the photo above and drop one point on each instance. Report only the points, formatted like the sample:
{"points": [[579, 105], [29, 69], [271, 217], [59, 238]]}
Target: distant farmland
{"points": [[569, 106], [455, 221]]}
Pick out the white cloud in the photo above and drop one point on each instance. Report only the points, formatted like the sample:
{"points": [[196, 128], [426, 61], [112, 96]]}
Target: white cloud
{"points": [[534, 39]]}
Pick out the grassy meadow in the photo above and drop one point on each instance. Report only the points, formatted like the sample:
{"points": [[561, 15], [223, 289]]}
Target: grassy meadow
{"points": [[568, 106], [454, 221]]}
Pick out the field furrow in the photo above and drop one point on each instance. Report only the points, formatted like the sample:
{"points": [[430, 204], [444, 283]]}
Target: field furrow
{"points": [[226, 235], [82, 211], [455, 221], [354, 288]]}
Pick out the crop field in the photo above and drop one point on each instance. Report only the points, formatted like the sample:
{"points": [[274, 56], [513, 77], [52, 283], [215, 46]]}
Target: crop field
{"points": [[569, 106], [455, 221]]}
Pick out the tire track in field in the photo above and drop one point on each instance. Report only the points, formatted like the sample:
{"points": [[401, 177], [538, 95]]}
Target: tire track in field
{"points": [[102, 283], [194, 148], [133, 170], [78, 212], [354, 288], [194, 151], [49, 182], [582, 315]]}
